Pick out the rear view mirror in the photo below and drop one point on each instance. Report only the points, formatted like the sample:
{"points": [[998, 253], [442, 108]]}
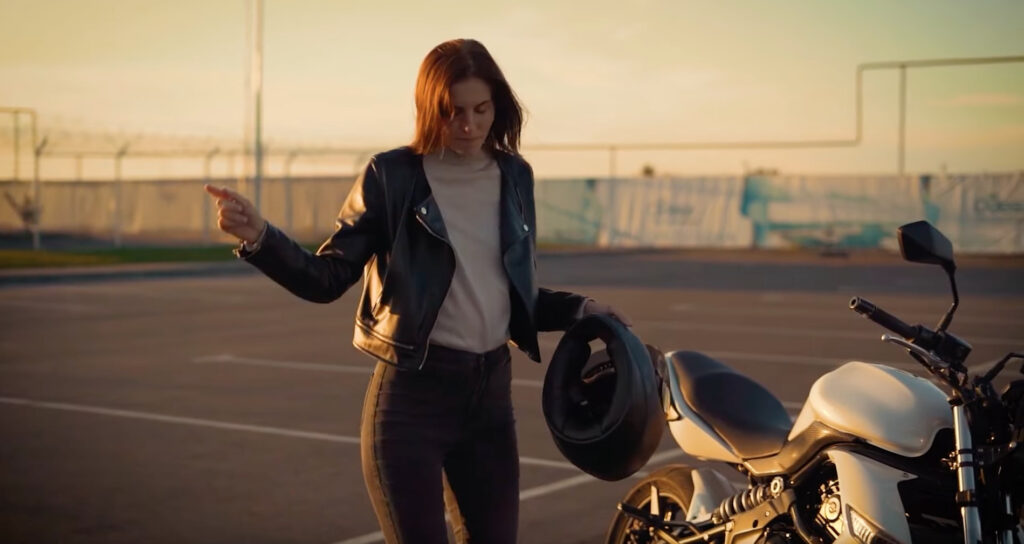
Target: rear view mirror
{"points": [[920, 242]]}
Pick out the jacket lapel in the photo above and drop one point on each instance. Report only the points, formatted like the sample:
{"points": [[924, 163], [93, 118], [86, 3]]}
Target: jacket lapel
{"points": [[513, 223], [424, 207], [429, 215]]}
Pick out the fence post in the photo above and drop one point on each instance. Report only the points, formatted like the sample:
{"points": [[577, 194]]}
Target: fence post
{"points": [[612, 151], [118, 197], [288, 190], [37, 213], [17, 147], [207, 210]]}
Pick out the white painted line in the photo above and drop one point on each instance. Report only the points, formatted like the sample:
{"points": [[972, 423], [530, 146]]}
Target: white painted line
{"points": [[365, 539], [804, 332], [318, 367], [840, 312], [728, 356], [291, 365], [524, 495], [533, 461], [179, 420], [542, 490], [530, 461], [559, 485]]}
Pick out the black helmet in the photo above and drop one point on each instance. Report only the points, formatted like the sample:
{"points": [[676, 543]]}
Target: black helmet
{"points": [[603, 409]]}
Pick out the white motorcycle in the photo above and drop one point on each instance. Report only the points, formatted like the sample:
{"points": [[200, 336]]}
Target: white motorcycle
{"points": [[876, 455]]}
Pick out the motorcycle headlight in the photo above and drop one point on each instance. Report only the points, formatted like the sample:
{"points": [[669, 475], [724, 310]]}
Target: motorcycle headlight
{"points": [[866, 532]]}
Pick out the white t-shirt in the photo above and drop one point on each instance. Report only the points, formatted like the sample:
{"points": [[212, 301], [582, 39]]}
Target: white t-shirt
{"points": [[475, 314]]}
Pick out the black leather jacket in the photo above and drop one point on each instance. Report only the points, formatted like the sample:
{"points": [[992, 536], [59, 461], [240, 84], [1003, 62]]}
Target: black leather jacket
{"points": [[390, 231]]}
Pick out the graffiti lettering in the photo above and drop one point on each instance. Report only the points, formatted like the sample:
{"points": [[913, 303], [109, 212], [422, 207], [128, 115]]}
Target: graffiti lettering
{"points": [[991, 204]]}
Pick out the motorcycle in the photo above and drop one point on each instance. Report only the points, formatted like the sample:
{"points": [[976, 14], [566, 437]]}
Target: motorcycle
{"points": [[876, 455]]}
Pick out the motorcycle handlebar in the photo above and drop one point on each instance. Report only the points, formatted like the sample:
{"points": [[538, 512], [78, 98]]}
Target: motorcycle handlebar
{"points": [[865, 308]]}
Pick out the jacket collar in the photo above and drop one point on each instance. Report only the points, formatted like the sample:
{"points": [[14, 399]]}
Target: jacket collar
{"points": [[513, 224]]}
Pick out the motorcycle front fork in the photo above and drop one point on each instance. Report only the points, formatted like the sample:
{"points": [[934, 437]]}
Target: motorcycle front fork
{"points": [[967, 496]]}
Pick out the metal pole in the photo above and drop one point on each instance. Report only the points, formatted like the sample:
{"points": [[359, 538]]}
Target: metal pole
{"points": [[903, 119], [207, 211], [288, 189], [17, 151], [37, 151], [792, 144], [611, 162], [256, 81], [118, 202], [860, 105], [37, 212]]}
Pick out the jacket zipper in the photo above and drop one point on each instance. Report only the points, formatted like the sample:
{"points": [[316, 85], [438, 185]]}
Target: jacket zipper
{"points": [[426, 349]]}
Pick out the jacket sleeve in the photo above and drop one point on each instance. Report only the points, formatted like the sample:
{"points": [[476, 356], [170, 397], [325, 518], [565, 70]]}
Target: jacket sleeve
{"points": [[554, 310], [557, 310], [360, 232]]}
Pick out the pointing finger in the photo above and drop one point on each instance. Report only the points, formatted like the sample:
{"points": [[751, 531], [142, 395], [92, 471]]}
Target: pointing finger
{"points": [[215, 191], [224, 193]]}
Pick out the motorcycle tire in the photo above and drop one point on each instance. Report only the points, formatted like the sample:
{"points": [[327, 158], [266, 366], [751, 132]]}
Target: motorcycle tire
{"points": [[675, 491]]}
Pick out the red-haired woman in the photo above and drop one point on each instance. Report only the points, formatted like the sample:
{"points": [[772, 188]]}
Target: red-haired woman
{"points": [[443, 232]]}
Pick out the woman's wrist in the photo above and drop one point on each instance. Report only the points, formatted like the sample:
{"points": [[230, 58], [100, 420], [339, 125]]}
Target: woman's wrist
{"points": [[255, 244]]}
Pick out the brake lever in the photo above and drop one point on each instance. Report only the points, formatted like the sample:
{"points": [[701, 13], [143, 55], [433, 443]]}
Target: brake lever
{"points": [[927, 355]]}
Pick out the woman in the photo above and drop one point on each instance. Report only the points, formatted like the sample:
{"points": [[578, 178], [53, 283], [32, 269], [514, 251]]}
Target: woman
{"points": [[443, 233]]}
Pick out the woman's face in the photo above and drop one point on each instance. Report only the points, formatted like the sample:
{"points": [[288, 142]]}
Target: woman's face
{"points": [[472, 117]]}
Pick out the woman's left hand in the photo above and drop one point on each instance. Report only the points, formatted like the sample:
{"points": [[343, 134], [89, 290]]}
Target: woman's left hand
{"points": [[595, 307]]}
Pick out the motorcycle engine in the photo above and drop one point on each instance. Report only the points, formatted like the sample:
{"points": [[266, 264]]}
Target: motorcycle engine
{"points": [[830, 513]]}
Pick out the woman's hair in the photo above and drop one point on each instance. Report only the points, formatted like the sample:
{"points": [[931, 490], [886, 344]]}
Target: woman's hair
{"points": [[447, 64]]}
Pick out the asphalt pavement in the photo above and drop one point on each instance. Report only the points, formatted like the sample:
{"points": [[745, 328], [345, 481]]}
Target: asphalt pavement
{"points": [[182, 404]]}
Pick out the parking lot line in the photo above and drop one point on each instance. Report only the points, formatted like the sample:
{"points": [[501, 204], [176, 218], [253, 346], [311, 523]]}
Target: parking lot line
{"points": [[806, 332], [524, 495], [164, 418], [534, 492], [728, 356], [292, 365], [317, 367], [813, 312]]}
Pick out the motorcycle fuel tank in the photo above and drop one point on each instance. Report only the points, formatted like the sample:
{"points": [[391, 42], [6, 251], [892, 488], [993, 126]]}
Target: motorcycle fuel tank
{"points": [[889, 408]]}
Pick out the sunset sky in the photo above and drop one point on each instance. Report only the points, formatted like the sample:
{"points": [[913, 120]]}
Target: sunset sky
{"points": [[342, 73]]}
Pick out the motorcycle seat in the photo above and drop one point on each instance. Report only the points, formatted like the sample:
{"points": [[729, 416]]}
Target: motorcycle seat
{"points": [[748, 417]]}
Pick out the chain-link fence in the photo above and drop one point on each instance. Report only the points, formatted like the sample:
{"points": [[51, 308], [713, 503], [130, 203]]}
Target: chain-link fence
{"points": [[979, 212]]}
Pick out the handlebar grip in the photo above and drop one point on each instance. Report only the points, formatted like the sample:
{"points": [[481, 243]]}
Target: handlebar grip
{"points": [[865, 308]]}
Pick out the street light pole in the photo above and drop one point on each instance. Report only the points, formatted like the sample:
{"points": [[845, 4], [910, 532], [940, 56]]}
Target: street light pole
{"points": [[256, 95], [17, 148], [36, 189]]}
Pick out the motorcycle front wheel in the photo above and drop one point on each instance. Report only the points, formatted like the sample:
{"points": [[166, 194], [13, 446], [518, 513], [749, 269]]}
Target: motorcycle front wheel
{"points": [[674, 489]]}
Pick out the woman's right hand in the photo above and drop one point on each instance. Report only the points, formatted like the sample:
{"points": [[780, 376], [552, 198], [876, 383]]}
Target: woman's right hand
{"points": [[236, 215]]}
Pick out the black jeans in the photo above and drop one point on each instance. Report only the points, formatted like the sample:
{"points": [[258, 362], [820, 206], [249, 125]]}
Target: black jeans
{"points": [[454, 415]]}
